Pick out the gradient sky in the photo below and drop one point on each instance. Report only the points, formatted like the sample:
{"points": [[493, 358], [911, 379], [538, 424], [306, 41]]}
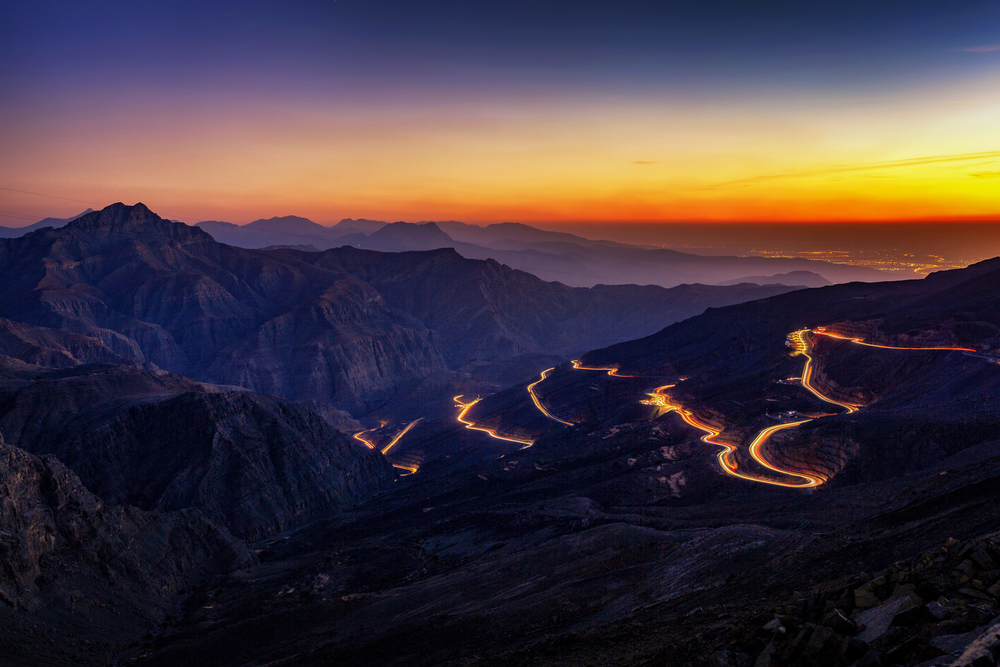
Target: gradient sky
{"points": [[483, 112]]}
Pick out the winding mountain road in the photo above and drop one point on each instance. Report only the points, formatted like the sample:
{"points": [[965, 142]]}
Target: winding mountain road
{"points": [[472, 426], [538, 403], [801, 344]]}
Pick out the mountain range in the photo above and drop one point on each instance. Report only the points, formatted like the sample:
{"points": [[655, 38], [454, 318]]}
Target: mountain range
{"points": [[557, 256], [221, 455], [347, 327]]}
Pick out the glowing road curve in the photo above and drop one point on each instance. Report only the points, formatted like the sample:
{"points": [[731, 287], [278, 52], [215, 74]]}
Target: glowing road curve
{"points": [[801, 345]]}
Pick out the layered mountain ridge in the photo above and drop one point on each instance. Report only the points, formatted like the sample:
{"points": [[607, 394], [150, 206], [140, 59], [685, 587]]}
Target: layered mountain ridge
{"points": [[556, 256], [348, 327]]}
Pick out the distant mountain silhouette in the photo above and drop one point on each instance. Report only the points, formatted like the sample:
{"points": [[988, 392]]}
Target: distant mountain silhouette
{"points": [[406, 236], [360, 225], [557, 256], [14, 232], [284, 231], [804, 278]]}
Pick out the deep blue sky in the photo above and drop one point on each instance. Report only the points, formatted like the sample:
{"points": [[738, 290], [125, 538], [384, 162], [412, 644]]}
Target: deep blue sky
{"points": [[643, 42]]}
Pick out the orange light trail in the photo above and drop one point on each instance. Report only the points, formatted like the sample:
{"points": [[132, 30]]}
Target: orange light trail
{"points": [[820, 331], [385, 450], [802, 346], [611, 370], [538, 403], [725, 456], [359, 436], [408, 468], [470, 425]]}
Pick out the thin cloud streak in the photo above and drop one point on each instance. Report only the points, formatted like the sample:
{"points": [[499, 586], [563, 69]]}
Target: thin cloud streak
{"points": [[843, 169], [39, 194], [989, 48]]}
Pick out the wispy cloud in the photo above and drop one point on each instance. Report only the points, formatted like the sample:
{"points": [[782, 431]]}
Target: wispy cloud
{"points": [[988, 48], [985, 174], [848, 168], [644, 162]]}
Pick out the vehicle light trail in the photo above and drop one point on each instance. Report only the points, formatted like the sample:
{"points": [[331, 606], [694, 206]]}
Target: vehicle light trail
{"points": [[385, 450], [799, 342], [538, 403], [821, 331], [801, 345], [725, 456], [359, 436], [470, 425], [410, 469], [611, 370]]}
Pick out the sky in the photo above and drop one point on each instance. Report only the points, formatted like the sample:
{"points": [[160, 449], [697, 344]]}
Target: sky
{"points": [[538, 112]]}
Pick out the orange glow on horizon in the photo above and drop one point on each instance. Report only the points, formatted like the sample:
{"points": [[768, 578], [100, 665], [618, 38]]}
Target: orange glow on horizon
{"points": [[757, 156]]}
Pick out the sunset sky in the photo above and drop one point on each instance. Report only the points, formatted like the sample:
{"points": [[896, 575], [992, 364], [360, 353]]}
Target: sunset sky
{"points": [[484, 112]]}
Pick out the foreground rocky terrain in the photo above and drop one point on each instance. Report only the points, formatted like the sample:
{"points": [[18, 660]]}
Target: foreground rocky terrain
{"points": [[80, 580]]}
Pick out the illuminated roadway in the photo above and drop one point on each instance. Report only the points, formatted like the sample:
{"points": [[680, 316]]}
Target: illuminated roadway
{"points": [[821, 331], [360, 437], [611, 370], [712, 434], [538, 403], [471, 425], [800, 343], [385, 450]]}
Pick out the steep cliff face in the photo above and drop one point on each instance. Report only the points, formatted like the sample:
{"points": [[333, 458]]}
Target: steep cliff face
{"points": [[251, 463], [76, 572], [47, 347], [343, 346], [486, 311]]}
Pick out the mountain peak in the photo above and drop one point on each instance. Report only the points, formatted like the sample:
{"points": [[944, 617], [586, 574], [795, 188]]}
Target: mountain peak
{"points": [[288, 224], [119, 218], [409, 236]]}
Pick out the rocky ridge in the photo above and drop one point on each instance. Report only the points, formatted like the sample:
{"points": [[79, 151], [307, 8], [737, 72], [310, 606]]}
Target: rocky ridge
{"points": [[80, 580]]}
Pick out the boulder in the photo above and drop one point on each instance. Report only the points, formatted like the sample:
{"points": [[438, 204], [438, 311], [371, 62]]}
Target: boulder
{"points": [[983, 652], [877, 621], [840, 623]]}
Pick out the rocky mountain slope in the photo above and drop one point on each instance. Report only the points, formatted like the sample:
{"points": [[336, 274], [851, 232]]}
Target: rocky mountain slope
{"points": [[80, 580], [346, 327], [254, 464]]}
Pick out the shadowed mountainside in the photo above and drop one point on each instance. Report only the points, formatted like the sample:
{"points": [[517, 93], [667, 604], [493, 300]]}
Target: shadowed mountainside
{"points": [[97, 577], [347, 327], [254, 464]]}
